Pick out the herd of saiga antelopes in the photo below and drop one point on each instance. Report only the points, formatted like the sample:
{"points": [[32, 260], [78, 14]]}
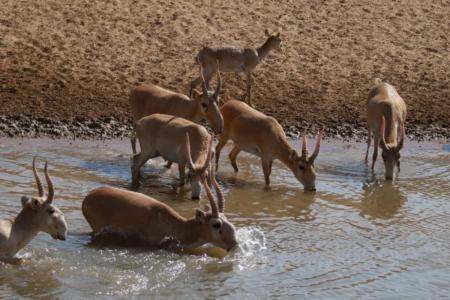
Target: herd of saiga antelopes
{"points": [[165, 123]]}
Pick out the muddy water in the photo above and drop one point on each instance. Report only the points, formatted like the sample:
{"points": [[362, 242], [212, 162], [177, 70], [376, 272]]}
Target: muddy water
{"points": [[355, 237]]}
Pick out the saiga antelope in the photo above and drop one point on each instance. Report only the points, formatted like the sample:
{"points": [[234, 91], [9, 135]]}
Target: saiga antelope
{"points": [[261, 135], [231, 59], [150, 99], [134, 215], [173, 138], [386, 115], [37, 214]]}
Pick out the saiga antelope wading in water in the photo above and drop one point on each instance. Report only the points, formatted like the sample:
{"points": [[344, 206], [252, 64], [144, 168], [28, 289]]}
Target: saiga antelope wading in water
{"points": [[236, 60], [261, 135], [150, 99], [173, 138], [386, 115], [37, 214], [134, 215]]}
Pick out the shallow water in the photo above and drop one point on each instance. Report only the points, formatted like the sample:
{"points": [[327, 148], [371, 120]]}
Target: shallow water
{"points": [[357, 236]]}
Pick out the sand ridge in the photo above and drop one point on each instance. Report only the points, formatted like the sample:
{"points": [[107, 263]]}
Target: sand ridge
{"points": [[78, 59]]}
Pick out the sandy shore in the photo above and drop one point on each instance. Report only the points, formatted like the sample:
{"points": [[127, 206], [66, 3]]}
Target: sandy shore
{"points": [[69, 65]]}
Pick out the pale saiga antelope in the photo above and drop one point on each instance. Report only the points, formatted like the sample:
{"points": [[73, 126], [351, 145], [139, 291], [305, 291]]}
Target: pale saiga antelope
{"points": [[261, 135], [236, 60], [386, 115], [173, 138], [150, 99], [134, 215], [37, 214]]}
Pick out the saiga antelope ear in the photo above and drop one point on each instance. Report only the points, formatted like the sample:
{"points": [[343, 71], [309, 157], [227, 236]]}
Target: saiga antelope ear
{"points": [[216, 223], [199, 216], [34, 203], [24, 200], [293, 155], [196, 95]]}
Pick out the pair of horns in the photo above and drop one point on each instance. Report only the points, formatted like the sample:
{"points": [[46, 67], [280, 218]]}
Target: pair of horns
{"points": [[219, 82], [383, 141], [305, 145], [198, 169], [40, 187], [216, 208]]}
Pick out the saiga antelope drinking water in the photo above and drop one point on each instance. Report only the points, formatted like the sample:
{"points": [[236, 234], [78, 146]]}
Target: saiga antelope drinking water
{"points": [[112, 210], [173, 138], [150, 99], [37, 214], [386, 115], [261, 135], [235, 60]]}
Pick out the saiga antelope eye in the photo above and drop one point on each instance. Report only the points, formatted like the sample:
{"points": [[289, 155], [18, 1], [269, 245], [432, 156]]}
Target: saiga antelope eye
{"points": [[216, 225], [301, 167], [51, 211]]}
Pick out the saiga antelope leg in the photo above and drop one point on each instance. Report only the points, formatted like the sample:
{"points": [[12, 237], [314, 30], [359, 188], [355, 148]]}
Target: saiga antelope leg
{"points": [[249, 86], [139, 160], [266, 164], [369, 139], [233, 155], [376, 143], [222, 141]]}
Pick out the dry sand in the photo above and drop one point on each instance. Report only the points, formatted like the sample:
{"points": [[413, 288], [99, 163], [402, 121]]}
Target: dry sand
{"points": [[78, 59]]}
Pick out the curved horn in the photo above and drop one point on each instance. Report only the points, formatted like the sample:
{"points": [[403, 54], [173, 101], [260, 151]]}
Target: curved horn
{"points": [[219, 84], [51, 191], [38, 180], [317, 148], [305, 144], [402, 137], [382, 129], [208, 156], [212, 202], [204, 89], [188, 153], [220, 198]]}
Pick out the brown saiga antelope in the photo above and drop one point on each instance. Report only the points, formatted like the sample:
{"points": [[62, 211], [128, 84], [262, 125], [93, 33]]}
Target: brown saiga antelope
{"points": [[37, 214], [261, 135], [150, 99], [236, 60], [134, 215], [386, 115], [173, 138]]}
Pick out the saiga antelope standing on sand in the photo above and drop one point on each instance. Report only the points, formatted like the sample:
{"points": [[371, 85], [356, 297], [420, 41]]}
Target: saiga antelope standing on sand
{"points": [[235, 60], [37, 214], [150, 99], [261, 135], [173, 138], [112, 210], [386, 115]]}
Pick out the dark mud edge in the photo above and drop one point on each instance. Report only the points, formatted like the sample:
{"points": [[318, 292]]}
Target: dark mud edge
{"points": [[110, 128]]}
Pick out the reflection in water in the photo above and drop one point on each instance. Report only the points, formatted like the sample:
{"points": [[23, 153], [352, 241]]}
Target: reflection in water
{"points": [[382, 200], [356, 237], [44, 284]]}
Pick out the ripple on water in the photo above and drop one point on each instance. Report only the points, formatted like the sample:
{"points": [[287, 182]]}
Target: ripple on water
{"points": [[357, 236]]}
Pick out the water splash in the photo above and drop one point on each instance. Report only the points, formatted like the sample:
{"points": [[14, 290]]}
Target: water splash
{"points": [[251, 240]]}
